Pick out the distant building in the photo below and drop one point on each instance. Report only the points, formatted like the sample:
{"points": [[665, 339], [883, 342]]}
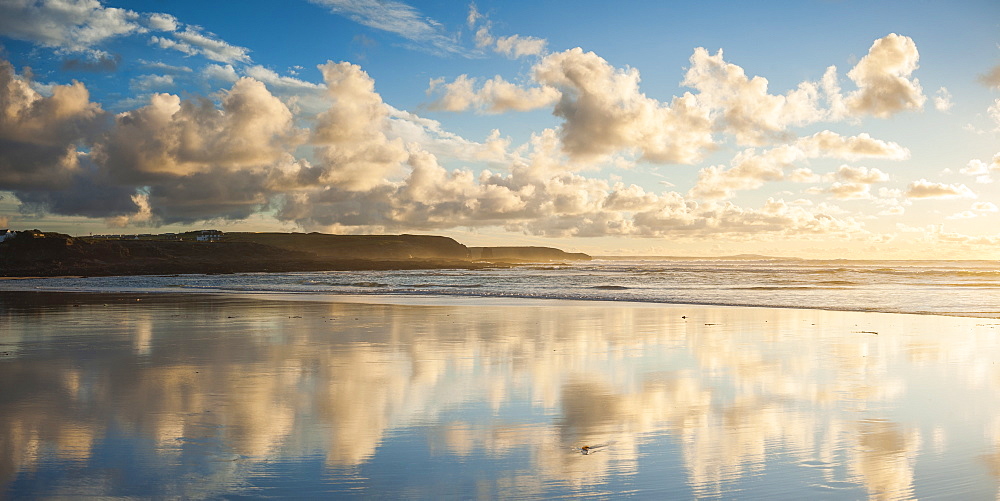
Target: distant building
{"points": [[5, 234], [208, 235]]}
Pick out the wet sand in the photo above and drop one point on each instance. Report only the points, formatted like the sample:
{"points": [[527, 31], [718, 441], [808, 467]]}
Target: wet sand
{"points": [[198, 395]]}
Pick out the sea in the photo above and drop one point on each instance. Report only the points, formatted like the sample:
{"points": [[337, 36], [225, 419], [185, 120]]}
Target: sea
{"points": [[955, 288], [647, 378]]}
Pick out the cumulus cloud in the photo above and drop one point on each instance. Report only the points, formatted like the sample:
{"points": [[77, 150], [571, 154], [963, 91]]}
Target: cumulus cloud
{"points": [[604, 112], [862, 175], [432, 136], [883, 79], [66, 25], [982, 170], [750, 169], [942, 100], [923, 188], [854, 183], [39, 136], [494, 96], [351, 147], [178, 138], [742, 106]]}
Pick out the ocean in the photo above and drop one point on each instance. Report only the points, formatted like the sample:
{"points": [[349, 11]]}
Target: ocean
{"points": [[603, 380], [957, 288]]}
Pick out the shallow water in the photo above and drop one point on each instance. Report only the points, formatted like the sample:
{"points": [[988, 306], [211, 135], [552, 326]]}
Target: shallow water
{"points": [[153, 395], [962, 288]]}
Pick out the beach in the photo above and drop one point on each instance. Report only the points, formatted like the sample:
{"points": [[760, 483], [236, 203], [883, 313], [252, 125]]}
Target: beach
{"points": [[293, 395]]}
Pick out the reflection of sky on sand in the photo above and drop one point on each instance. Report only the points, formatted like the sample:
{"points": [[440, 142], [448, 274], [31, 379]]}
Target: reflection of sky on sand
{"points": [[198, 397]]}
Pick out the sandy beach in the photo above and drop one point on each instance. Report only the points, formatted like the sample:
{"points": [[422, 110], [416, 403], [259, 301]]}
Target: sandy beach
{"points": [[198, 395]]}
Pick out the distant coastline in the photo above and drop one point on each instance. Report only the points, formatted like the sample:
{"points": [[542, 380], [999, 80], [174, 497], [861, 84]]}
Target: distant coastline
{"points": [[35, 253]]}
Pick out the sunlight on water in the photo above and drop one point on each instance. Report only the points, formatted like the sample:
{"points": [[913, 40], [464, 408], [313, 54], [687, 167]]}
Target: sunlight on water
{"points": [[203, 396], [963, 288]]}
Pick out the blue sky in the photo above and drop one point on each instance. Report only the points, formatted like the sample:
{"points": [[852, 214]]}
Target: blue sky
{"points": [[814, 129]]}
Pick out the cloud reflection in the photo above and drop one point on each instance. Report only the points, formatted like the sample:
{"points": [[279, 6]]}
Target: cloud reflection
{"points": [[235, 385]]}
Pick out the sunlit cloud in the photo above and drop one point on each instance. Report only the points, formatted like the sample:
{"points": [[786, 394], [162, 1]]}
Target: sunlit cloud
{"points": [[884, 79], [942, 100], [985, 207], [493, 96], [925, 189], [750, 169]]}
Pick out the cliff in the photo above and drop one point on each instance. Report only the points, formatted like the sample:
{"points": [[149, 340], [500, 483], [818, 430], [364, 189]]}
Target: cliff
{"points": [[529, 254], [53, 254], [359, 246]]}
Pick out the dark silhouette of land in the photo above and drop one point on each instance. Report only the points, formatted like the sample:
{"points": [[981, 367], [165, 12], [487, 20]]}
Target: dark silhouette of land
{"points": [[36, 253]]}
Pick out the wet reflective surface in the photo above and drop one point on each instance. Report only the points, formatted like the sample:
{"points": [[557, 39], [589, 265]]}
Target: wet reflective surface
{"points": [[205, 396]]}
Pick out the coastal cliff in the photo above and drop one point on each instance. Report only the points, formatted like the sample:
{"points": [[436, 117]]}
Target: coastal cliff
{"points": [[528, 254], [36, 253]]}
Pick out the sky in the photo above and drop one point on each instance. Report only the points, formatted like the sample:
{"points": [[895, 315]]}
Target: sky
{"points": [[814, 129]]}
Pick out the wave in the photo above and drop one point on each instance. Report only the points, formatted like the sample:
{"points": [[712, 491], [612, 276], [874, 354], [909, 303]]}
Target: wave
{"points": [[449, 286]]}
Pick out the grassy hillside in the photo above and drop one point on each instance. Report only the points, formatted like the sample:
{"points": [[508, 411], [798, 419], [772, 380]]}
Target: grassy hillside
{"points": [[359, 246]]}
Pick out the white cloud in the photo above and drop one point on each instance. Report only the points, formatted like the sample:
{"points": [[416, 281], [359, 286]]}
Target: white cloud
{"points": [[145, 83], [66, 25], [982, 170], [272, 78], [926, 189], [219, 72], [942, 100], [854, 183], [494, 96], [985, 207], [397, 18], [513, 46], [164, 67], [742, 105], [750, 169], [861, 175], [352, 151], [162, 22], [212, 48], [516, 46], [431, 136], [178, 138], [193, 42], [883, 79], [604, 112], [849, 191]]}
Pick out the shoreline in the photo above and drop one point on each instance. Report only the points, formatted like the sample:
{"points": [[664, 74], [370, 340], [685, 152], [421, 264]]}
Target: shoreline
{"points": [[465, 300], [213, 389]]}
